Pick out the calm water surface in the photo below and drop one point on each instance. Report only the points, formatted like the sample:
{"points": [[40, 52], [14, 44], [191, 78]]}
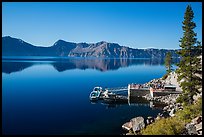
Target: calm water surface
{"points": [[52, 96]]}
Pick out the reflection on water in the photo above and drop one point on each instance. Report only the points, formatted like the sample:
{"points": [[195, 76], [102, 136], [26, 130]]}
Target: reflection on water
{"points": [[136, 101], [43, 101], [11, 65]]}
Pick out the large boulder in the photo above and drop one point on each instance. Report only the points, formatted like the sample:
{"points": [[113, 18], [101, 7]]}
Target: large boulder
{"points": [[137, 123], [127, 126]]}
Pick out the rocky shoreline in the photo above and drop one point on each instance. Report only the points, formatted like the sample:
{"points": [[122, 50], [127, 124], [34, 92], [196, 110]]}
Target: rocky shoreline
{"points": [[138, 123], [168, 111]]}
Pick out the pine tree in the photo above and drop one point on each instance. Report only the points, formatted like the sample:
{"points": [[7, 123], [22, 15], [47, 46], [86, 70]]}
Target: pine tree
{"points": [[168, 61], [189, 64]]}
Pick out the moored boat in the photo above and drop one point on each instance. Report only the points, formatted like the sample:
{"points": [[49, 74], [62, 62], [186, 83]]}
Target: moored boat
{"points": [[95, 94]]}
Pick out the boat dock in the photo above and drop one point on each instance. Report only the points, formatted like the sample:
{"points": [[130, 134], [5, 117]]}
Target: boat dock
{"points": [[156, 93], [123, 94], [131, 91], [137, 90], [117, 89]]}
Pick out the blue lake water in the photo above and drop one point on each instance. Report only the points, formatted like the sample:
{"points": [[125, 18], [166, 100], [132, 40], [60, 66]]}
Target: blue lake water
{"points": [[51, 97]]}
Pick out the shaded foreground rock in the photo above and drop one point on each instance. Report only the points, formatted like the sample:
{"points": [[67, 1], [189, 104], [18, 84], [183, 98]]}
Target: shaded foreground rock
{"points": [[127, 126], [137, 123]]}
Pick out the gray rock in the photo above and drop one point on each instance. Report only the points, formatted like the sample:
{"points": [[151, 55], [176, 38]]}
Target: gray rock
{"points": [[200, 132], [170, 106], [127, 126], [148, 121], [179, 104], [172, 113], [149, 117], [165, 108], [197, 120], [196, 97], [198, 126], [129, 133], [137, 123], [180, 108], [158, 117], [191, 129]]}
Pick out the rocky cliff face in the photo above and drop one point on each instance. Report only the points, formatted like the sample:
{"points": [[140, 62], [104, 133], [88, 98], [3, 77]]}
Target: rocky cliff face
{"points": [[17, 47]]}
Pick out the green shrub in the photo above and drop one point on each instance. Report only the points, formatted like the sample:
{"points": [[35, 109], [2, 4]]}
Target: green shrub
{"points": [[164, 126], [190, 112], [182, 99], [174, 125], [184, 115]]}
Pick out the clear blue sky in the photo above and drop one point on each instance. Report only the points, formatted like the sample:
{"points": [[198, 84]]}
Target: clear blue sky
{"points": [[132, 24]]}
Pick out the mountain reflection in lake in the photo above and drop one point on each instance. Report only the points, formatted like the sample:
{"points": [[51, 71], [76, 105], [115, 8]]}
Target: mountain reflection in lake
{"points": [[11, 65]]}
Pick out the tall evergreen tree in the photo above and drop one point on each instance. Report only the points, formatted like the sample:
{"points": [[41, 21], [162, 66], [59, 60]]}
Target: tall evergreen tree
{"points": [[168, 61], [190, 62]]}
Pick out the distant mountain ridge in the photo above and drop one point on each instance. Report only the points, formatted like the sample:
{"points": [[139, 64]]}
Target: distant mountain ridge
{"points": [[17, 47]]}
